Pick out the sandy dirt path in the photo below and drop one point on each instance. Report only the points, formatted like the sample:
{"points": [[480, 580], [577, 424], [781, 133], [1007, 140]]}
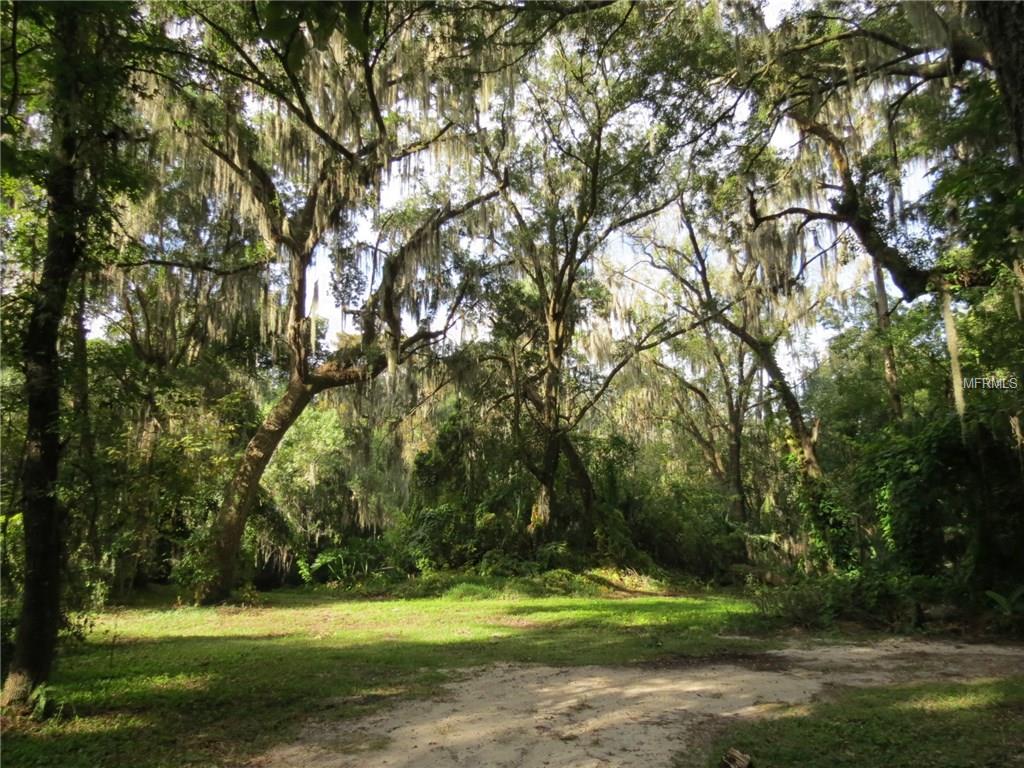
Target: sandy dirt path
{"points": [[528, 716]]}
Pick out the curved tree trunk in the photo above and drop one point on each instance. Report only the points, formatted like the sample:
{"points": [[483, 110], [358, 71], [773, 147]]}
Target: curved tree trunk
{"points": [[806, 437], [303, 385], [244, 486]]}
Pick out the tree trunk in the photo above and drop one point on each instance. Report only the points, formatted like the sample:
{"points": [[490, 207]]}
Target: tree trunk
{"points": [[956, 373], [908, 277], [45, 518], [580, 475], [304, 383], [805, 437], [1003, 24], [734, 466], [244, 486], [242, 490], [888, 353], [540, 515]]}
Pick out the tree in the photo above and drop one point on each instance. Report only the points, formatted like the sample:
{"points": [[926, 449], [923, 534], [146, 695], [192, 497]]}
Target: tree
{"points": [[852, 87], [715, 380], [306, 167], [585, 178], [85, 53], [1003, 27], [691, 270]]}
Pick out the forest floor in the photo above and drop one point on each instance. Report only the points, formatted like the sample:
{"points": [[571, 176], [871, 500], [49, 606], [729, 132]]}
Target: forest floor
{"points": [[487, 675]]}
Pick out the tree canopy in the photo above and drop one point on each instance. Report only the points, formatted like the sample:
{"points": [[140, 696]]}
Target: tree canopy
{"points": [[300, 292]]}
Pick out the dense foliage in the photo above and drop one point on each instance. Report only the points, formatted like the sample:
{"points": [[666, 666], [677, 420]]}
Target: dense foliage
{"points": [[382, 289]]}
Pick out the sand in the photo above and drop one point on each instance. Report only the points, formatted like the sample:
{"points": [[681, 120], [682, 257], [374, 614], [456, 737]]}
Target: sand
{"points": [[529, 716]]}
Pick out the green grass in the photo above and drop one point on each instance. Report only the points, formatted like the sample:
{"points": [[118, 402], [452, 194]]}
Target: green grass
{"points": [[156, 686], [940, 725]]}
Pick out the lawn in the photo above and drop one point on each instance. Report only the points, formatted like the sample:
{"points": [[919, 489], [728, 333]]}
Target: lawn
{"points": [[160, 685], [157, 685], [976, 724]]}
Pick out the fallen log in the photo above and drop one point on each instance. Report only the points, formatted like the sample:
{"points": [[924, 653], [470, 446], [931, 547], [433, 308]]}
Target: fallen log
{"points": [[736, 759]]}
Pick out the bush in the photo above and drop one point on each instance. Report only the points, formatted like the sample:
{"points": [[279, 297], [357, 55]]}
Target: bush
{"points": [[1008, 610], [557, 554], [499, 563], [564, 582], [352, 561], [803, 604], [685, 529], [893, 600], [946, 502], [195, 571], [439, 537]]}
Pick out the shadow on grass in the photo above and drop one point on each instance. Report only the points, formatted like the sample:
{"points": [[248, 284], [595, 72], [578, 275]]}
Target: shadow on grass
{"points": [[165, 597], [206, 699], [941, 725]]}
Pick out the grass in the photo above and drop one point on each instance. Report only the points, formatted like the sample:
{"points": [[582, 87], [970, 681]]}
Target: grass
{"points": [[940, 725], [156, 685]]}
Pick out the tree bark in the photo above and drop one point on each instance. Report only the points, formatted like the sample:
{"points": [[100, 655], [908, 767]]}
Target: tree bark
{"points": [[304, 384], [540, 515], [1003, 24], [734, 465], [805, 437], [956, 373], [242, 490], [557, 335], [912, 280], [888, 353], [244, 486], [45, 517]]}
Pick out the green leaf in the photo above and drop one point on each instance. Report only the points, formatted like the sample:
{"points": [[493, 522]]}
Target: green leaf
{"points": [[279, 23], [354, 33]]}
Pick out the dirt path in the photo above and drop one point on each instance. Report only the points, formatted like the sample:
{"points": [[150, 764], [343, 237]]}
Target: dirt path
{"points": [[525, 716]]}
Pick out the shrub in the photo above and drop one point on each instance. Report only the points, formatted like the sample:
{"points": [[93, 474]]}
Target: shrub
{"points": [[1008, 609], [557, 554], [497, 562], [804, 604], [195, 571], [440, 536], [890, 599]]}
